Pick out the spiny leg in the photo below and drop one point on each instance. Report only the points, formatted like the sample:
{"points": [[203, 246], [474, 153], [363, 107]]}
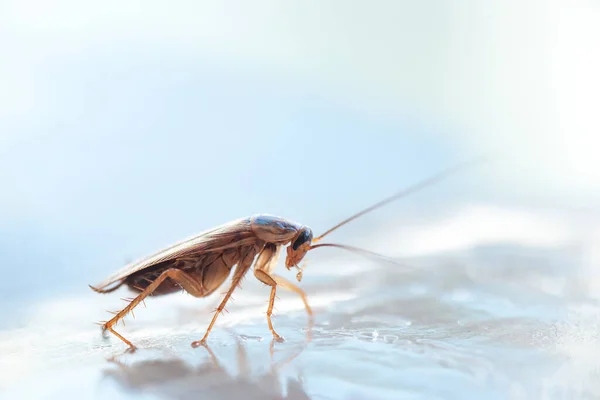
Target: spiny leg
{"points": [[243, 266], [188, 284]]}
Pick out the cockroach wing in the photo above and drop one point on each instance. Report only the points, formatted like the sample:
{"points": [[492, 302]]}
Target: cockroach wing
{"points": [[229, 235]]}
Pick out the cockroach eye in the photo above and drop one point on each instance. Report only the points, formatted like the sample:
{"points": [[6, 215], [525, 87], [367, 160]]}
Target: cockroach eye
{"points": [[303, 237]]}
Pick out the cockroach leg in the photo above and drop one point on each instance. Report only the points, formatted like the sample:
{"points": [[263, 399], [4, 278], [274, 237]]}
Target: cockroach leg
{"points": [[243, 267], [274, 281], [268, 280], [284, 283], [132, 348], [270, 312], [188, 283]]}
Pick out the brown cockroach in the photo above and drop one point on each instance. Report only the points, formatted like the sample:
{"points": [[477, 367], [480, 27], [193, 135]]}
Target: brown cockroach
{"points": [[200, 264]]}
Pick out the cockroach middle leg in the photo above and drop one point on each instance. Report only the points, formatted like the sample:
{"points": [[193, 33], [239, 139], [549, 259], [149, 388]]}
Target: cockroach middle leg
{"points": [[188, 284], [274, 281], [243, 267]]}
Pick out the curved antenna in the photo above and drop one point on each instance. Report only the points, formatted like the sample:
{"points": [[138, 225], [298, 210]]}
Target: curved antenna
{"points": [[366, 253], [353, 249], [421, 185]]}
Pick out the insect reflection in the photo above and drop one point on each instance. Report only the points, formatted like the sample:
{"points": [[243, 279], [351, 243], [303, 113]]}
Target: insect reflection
{"points": [[177, 379]]}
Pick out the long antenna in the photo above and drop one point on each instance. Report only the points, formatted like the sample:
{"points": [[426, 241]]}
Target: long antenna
{"points": [[421, 185]]}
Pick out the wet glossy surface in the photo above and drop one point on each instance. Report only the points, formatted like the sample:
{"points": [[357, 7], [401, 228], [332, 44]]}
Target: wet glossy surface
{"points": [[124, 128], [494, 321]]}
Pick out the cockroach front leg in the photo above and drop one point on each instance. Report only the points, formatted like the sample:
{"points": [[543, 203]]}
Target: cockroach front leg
{"points": [[188, 284], [268, 280], [284, 283], [267, 260], [274, 281]]}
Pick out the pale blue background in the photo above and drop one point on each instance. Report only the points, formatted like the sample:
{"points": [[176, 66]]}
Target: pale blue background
{"points": [[126, 127]]}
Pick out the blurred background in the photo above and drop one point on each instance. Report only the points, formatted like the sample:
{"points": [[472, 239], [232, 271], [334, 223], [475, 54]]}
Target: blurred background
{"points": [[126, 126]]}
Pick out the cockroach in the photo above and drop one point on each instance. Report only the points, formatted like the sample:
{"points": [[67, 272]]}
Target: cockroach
{"points": [[199, 265]]}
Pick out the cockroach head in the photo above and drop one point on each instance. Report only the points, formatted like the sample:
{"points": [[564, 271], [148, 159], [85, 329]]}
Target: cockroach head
{"points": [[299, 246]]}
